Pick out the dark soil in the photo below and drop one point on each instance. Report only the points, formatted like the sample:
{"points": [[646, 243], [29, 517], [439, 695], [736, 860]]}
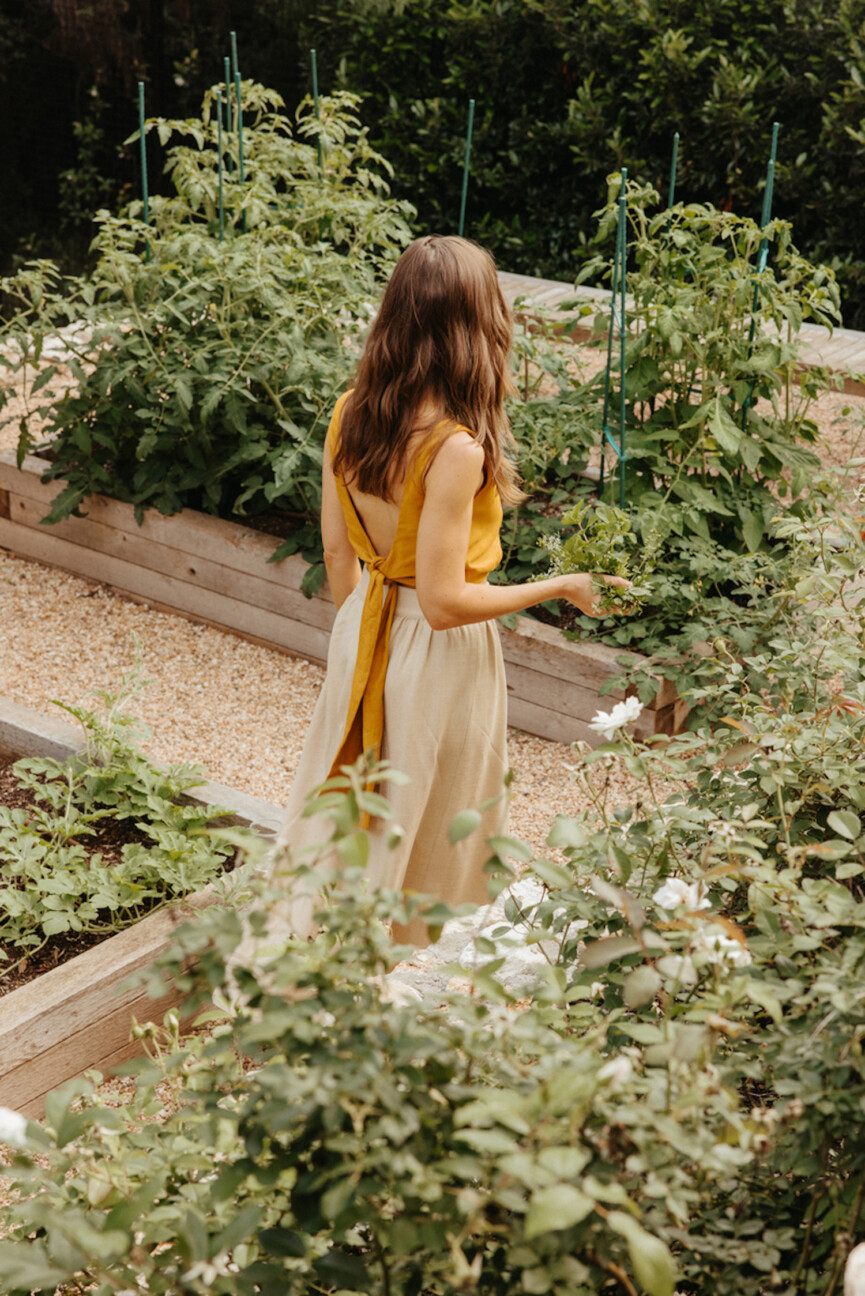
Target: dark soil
{"points": [[108, 840]]}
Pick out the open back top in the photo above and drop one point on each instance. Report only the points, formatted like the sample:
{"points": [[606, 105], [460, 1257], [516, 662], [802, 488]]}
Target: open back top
{"points": [[364, 726]]}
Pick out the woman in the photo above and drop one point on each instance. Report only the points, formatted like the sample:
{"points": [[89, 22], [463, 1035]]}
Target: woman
{"points": [[415, 473]]}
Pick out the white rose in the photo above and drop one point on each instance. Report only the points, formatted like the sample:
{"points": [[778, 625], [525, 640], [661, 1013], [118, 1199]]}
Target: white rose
{"points": [[13, 1128], [608, 723], [675, 892], [617, 1071], [722, 948]]}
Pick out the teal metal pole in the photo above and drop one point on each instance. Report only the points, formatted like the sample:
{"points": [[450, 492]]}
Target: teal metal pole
{"points": [[617, 315], [314, 62], [240, 162], [466, 162], [623, 278], [219, 166], [674, 165], [226, 64], [145, 193], [234, 63], [762, 256]]}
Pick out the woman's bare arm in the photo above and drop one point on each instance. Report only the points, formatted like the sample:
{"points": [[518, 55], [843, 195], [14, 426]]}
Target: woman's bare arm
{"points": [[446, 598], [340, 559]]}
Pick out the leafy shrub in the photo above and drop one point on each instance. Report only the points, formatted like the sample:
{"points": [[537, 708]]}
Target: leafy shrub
{"points": [[50, 883], [567, 92], [207, 369], [719, 438], [674, 1102]]}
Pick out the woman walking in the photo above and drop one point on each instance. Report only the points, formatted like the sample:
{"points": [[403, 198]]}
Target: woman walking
{"points": [[416, 470]]}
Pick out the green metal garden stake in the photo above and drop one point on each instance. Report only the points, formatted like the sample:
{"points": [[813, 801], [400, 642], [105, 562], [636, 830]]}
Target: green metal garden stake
{"points": [[674, 164], [314, 62], [226, 63], [143, 145], [219, 166], [617, 316], [466, 162], [240, 162], [234, 64], [623, 279], [762, 256]]}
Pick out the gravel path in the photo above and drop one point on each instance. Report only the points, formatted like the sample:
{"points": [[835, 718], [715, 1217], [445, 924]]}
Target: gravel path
{"points": [[240, 710]]}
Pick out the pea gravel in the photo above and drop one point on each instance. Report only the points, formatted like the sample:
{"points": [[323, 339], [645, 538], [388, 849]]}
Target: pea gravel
{"points": [[238, 709]]}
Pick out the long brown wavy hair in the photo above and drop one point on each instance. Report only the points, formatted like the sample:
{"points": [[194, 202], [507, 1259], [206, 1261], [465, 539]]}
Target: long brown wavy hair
{"points": [[442, 336]]}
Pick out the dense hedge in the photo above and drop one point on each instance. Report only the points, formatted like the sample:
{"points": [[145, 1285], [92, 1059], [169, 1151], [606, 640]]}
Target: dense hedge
{"points": [[569, 91]]}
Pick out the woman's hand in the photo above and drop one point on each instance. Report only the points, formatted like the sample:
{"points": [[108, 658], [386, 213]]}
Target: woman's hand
{"points": [[581, 591]]}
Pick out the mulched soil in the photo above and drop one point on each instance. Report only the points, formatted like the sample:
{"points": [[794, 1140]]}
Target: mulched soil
{"points": [[108, 840]]}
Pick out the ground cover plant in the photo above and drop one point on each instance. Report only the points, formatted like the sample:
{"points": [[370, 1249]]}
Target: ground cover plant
{"points": [[675, 1102], [63, 880]]}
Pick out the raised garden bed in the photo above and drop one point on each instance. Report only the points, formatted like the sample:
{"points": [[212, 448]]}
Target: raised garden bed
{"points": [[217, 572], [77, 1016]]}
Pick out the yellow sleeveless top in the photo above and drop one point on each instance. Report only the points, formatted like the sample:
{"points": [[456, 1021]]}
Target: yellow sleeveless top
{"points": [[364, 725]]}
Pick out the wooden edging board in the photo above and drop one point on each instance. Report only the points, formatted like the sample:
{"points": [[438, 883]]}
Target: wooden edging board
{"points": [[79, 1015], [218, 572]]}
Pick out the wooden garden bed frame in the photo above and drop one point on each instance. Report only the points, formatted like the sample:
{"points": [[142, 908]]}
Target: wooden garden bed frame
{"points": [[217, 572], [80, 1014]]}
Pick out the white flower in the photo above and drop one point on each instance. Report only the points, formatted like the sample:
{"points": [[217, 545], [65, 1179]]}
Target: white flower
{"points": [[675, 892], [608, 723], [13, 1128], [679, 967], [721, 948], [617, 1071]]}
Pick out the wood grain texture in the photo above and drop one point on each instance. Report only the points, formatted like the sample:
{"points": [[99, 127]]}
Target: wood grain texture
{"points": [[141, 550]]}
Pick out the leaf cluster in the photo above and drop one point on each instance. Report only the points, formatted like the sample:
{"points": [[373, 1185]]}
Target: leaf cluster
{"points": [[54, 880], [206, 362]]}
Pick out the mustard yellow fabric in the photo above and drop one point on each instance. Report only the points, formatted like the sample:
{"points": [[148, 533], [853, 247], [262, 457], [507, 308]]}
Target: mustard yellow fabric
{"points": [[364, 726]]}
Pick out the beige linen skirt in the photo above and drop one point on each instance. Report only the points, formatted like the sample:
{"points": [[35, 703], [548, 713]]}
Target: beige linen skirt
{"points": [[445, 726]]}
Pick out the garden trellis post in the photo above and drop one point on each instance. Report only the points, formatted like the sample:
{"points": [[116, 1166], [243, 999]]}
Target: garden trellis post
{"points": [[240, 162], [235, 66], [219, 165], [674, 165], [762, 257], [226, 63], [145, 194], [466, 163], [617, 316], [314, 61]]}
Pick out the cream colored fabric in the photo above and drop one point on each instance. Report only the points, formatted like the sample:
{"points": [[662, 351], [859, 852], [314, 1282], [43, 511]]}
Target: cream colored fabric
{"points": [[364, 726], [445, 715]]}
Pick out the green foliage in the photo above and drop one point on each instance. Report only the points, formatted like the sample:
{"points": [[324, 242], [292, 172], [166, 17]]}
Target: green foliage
{"points": [[675, 1101], [602, 542], [50, 883], [206, 371], [718, 436], [603, 84]]}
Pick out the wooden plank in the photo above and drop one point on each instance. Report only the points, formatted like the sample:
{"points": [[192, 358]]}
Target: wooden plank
{"points": [[25, 732], [169, 560], [82, 992], [588, 665], [102, 1045], [562, 696], [312, 641], [197, 534], [544, 722]]}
